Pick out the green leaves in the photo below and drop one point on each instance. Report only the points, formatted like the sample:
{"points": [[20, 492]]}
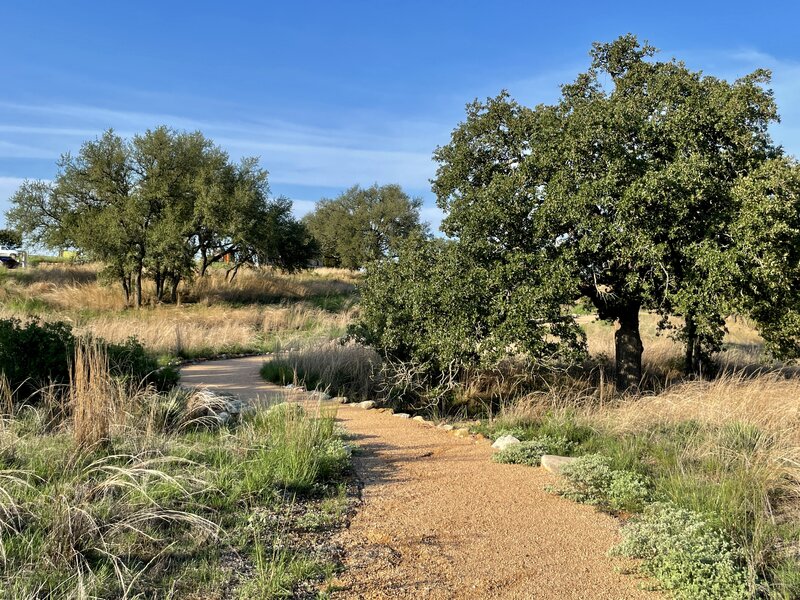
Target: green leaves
{"points": [[149, 206], [622, 192], [767, 235], [441, 307], [364, 224]]}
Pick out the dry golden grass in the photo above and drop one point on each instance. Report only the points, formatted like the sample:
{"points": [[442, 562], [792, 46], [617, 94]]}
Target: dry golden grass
{"points": [[253, 286], [663, 356], [91, 396], [206, 329], [215, 316], [768, 401], [77, 287]]}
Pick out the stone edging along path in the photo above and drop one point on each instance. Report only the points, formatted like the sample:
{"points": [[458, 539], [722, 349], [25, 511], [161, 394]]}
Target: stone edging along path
{"points": [[439, 519]]}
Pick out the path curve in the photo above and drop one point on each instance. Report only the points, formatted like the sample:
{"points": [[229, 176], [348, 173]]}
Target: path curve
{"points": [[440, 520]]}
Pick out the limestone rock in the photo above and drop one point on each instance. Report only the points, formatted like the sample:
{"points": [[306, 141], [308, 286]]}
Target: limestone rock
{"points": [[554, 463], [319, 395], [504, 442], [402, 415], [446, 426], [461, 432], [340, 399], [366, 405], [418, 418]]}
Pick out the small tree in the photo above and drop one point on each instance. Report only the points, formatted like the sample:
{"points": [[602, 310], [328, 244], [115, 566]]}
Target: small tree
{"points": [[362, 225], [767, 234]]}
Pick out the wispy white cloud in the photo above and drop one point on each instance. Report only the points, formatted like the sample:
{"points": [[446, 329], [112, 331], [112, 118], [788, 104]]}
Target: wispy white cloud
{"points": [[9, 185], [17, 150], [301, 208], [357, 146], [293, 153]]}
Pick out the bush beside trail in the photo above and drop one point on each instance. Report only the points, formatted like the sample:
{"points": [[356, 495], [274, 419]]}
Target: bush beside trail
{"points": [[36, 354]]}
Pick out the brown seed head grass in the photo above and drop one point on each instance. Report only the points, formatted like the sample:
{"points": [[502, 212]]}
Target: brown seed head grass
{"points": [[91, 395]]}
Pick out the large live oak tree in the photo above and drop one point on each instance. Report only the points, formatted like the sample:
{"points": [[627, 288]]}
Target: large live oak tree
{"points": [[623, 192]]}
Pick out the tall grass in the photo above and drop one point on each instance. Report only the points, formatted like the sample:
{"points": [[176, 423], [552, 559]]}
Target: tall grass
{"points": [[91, 395], [255, 286], [341, 369], [141, 492], [260, 311]]}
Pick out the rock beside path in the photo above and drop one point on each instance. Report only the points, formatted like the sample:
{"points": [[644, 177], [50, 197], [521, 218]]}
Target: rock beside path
{"points": [[554, 463], [366, 405], [504, 441]]}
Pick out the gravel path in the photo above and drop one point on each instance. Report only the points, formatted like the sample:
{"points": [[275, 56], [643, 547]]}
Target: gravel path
{"points": [[440, 520]]}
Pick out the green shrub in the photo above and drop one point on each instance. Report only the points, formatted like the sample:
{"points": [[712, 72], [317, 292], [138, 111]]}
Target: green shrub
{"points": [[131, 360], [627, 491], [685, 554], [530, 453], [591, 480], [34, 354]]}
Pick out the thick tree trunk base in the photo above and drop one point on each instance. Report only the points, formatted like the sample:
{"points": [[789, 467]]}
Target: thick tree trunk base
{"points": [[629, 348]]}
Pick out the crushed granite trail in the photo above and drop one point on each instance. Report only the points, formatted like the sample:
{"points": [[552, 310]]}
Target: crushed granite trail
{"points": [[438, 519]]}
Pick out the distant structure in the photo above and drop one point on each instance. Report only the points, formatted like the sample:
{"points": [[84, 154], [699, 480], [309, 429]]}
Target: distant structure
{"points": [[11, 258]]}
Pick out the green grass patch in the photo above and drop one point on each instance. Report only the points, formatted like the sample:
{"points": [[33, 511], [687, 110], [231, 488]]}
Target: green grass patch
{"points": [[167, 501]]}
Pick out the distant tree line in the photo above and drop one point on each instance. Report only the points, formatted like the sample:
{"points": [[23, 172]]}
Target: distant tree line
{"points": [[165, 205], [647, 186]]}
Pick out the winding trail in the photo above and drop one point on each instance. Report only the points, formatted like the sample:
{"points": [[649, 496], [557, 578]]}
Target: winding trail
{"points": [[440, 520]]}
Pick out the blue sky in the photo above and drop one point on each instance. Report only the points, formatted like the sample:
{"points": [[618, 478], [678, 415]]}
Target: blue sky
{"points": [[330, 94]]}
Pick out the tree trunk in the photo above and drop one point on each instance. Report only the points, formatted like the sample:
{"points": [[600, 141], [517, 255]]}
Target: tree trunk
{"points": [[159, 278], [139, 288], [628, 346], [126, 287], [204, 261], [692, 363], [174, 291]]}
